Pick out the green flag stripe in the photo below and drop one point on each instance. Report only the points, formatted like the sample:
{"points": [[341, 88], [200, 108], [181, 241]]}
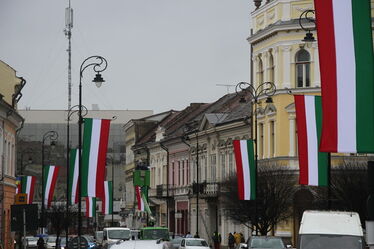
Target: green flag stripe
{"points": [[110, 199], [252, 168], [364, 58], [322, 156], [86, 154]]}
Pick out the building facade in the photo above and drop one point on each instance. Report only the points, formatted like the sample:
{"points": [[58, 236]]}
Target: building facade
{"points": [[10, 124]]}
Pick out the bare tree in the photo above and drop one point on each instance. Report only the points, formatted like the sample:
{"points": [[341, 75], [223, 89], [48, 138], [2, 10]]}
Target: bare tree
{"points": [[276, 186]]}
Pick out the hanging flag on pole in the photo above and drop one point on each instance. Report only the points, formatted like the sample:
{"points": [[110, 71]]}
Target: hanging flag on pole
{"points": [[95, 145], [73, 176], [139, 198], [245, 168], [312, 163], [28, 186], [107, 207], [50, 173], [90, 206], [346, 58], [19, 185]]}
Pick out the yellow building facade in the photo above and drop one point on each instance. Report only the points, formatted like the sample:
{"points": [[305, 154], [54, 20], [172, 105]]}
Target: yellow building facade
{"points": [[280, 56]]}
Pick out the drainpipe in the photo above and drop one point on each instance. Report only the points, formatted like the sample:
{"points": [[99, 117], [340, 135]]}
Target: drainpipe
{"points": [[167, 182]]}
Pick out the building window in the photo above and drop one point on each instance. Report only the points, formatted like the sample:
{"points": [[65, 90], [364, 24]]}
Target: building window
{"points": [[213, 166], [261, 140], [272, 138], [179, 173], [188, 172], [223, 166], [260, 71], [271, 68], [173, 174], [231, 165], [302, 68], [182, 173]]}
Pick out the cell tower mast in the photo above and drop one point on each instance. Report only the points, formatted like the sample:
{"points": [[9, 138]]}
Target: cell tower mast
{"points": [[67, 31]]}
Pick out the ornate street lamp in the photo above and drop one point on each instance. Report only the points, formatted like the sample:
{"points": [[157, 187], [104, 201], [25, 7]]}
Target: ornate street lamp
{"points": [[52, 136], [99, 64], [305, 15], [266, 89]]}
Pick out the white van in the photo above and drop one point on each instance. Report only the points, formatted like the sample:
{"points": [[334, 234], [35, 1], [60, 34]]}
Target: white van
{"points": [[330, 230], [112, 235]]}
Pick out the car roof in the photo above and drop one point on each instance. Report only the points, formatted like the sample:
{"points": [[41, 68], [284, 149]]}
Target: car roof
{"points": [[193, 239], [117, 228]]}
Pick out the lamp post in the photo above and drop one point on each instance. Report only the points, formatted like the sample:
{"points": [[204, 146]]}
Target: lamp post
{"points": [[267, 89], [52, 136], [305, 15], [99, 64], [71, 111]]}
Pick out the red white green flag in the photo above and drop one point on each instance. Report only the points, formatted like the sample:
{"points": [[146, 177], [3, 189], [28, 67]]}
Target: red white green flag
{"points": [[245, 169], [107, 207], [312, 163], [139, 198], [90, 206], [95, 145], [28, 186], [50, 179], [346, 58], [73, 176]]}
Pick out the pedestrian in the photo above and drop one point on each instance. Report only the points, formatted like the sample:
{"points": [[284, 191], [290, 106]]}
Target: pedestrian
{"points": [[40, 243], [196, 235], [188, 235], [231, 241], [217, 240], [237, 238], [242, 239]]}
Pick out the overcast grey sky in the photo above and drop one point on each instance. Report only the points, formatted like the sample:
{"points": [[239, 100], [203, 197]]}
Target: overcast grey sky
{"points": [[162, 54]]}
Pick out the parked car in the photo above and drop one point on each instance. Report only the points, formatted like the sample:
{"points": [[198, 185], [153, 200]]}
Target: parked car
{"points": [[260, 242], [31, 242], [193, 243], [112, 235], [50, 242], [174, 243], [73, 242]]}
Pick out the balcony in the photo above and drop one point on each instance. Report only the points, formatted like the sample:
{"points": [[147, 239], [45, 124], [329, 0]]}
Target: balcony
{"points": [[206, 189], [162, 191]]}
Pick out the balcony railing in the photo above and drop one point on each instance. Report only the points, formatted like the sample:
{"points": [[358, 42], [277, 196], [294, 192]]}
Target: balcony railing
{"points": [[206, 189]]}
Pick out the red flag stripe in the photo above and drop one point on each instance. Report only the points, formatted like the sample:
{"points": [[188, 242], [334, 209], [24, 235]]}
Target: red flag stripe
{"points": [[32, 187], [101, 161], [53, 185], [327, 55], [239, 168], [302, 138]]}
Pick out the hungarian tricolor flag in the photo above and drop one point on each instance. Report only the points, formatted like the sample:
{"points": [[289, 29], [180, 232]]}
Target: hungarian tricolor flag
{"points": [[108, 198], [50, 179], [346, 58], [95, 145], [90, 206], [139, 198], [28, 186], [73, 176], [312, 163], [245, 169]]}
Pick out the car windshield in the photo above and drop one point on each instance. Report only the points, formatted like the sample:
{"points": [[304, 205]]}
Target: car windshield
{"points": [[316, 241], [51, 239], [196, 243], [267, 243], [119, 234], [155, 234]]}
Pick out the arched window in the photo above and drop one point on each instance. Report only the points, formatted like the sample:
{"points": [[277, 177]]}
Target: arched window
{"points": [[260, 71], [302, 68], [271, 68]]}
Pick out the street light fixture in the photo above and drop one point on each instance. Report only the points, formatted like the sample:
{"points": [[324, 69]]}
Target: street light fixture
{"points": [[52, 136], [305, 15], [99, 64], [267, 89]]}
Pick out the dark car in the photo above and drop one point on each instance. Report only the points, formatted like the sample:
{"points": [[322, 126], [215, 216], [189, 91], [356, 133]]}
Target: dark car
{"points": [[262, 242]]}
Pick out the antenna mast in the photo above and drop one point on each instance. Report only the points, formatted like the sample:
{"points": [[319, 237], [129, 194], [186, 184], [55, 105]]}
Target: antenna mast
{"points": [[67, 31]]}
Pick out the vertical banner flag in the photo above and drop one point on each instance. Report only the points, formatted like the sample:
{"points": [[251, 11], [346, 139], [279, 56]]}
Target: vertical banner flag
{"points": [[95, 145], [107, 207], [50, 179], [312, 163], [346, 58], [18, 183], [245, 168], [28, 186], [90, 206], [139, 198], [73, 176]]}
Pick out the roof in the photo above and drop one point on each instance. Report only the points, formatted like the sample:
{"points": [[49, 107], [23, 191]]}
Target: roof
{"points": [[331, 222]]}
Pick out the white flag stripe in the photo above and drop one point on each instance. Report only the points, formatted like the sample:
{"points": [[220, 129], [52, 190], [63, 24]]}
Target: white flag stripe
{"points": [[346, 75], [246, 173], [28, 188], [311, 127], [75, 177], [106, 201], [48, 184], [94, 150]]}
